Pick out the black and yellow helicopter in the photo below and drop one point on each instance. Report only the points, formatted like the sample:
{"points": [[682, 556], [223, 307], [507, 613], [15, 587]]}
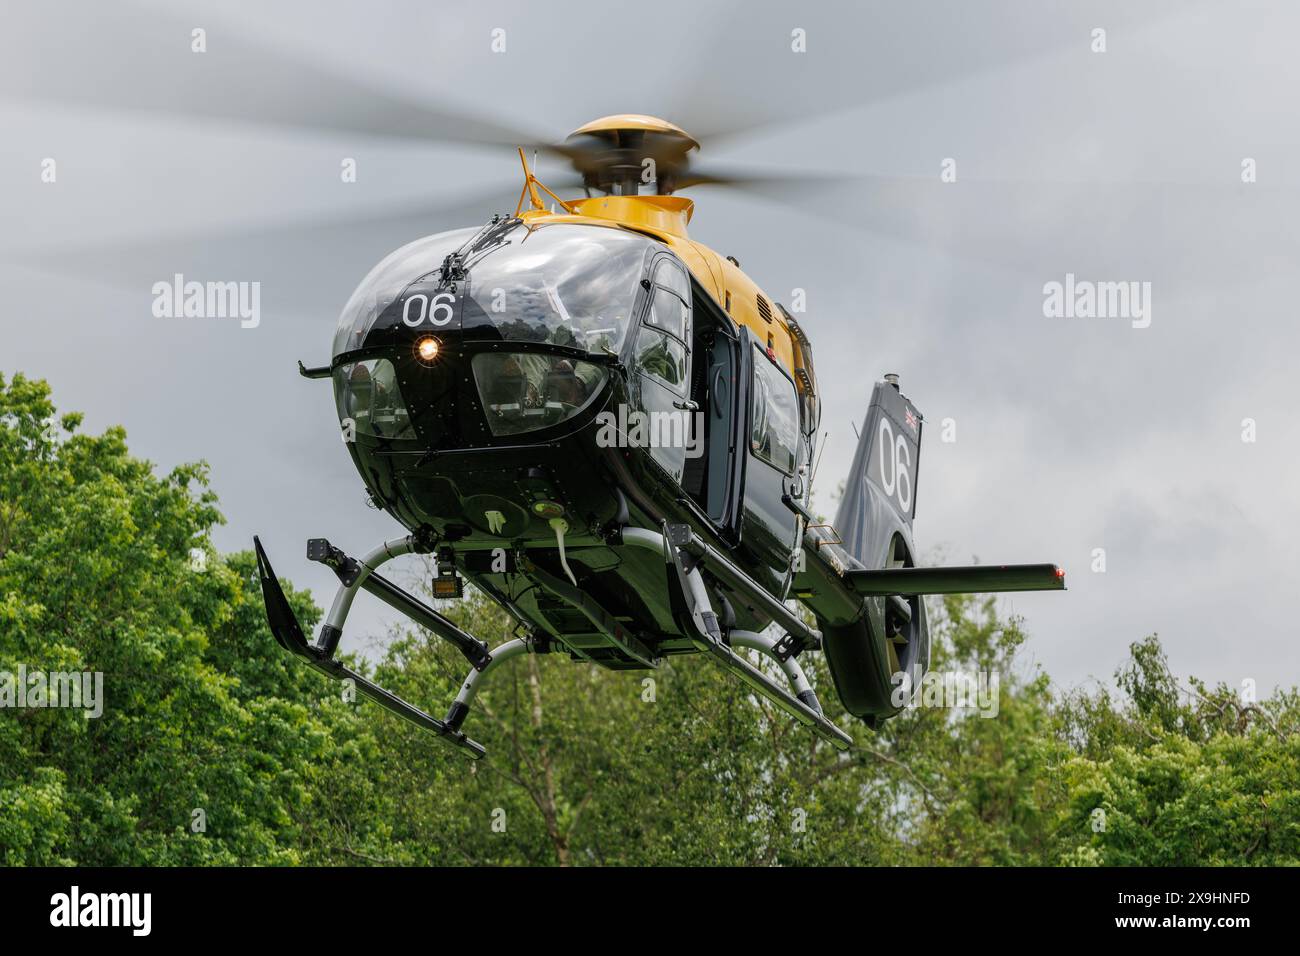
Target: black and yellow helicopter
{"points": [[608, 428]]}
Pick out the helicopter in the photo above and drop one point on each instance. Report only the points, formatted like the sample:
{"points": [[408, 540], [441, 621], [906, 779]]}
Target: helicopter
{"points": [[609, 429]]}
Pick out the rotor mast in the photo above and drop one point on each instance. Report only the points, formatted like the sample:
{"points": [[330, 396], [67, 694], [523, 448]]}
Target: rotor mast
{"points": [[634, 162], [623, 154]]}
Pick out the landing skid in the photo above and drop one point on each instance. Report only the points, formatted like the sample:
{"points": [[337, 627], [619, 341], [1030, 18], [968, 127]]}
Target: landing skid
{"points": [[685, 556], [288, 633]]}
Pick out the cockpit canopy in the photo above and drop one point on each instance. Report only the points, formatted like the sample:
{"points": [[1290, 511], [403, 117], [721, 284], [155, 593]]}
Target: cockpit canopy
{"points": [[560, 284], [522, 304]]}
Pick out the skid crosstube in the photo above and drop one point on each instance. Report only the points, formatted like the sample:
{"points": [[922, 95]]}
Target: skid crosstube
{"points": [[288, 634]]}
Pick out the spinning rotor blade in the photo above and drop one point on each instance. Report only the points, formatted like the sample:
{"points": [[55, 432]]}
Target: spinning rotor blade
{"points": [[1015, 225], [310, 264], [959, 41], [143, 63], [769, 181]]}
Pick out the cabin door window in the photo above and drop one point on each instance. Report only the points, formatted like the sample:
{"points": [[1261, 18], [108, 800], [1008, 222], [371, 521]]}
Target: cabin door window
{"points": [[661, 359]]}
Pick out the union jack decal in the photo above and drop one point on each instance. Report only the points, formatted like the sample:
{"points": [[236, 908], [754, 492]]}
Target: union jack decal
{"points": [[910, 418]]}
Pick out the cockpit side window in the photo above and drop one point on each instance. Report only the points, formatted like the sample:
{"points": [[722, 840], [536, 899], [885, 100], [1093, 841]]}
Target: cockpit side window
{"points": [[670, 276], [667, 313], [774, 415], [661, 360], [662, 348]]}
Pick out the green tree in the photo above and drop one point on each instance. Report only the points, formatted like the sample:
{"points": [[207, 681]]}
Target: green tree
{"points": [[216, 747], [1184, 776], [106, 567]]}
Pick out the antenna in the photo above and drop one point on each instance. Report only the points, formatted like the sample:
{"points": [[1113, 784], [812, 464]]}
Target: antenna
{"points": [[818, 463], [531, 185]]}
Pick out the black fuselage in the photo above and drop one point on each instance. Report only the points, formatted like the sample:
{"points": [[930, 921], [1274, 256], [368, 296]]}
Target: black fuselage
{"points": [[482, 448]]}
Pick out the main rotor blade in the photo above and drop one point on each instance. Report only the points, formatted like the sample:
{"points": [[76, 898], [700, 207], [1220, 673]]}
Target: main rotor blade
{"points": [[306, 265], [851, 60], [1210, 234], [92, 54], [766, 180]]}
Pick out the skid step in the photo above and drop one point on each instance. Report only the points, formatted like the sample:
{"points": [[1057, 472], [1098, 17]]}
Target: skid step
{"points": [[288, 633], [686, 554], [801, 711]]}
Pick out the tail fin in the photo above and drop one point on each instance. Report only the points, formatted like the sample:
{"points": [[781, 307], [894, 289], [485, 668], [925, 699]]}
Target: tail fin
{"points": [[884, 635], [880, 493], [879, 649]]}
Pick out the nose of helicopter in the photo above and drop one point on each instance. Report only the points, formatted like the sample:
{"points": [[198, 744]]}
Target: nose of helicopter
{"points": [[450, 390]]}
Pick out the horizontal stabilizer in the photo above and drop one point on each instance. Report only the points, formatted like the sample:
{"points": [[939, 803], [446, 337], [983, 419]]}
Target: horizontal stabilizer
{"points": [[977, 579]]}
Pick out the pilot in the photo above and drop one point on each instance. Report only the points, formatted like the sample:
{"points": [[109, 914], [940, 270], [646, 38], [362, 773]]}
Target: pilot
{"points": [[360, 389], [564, 386]]}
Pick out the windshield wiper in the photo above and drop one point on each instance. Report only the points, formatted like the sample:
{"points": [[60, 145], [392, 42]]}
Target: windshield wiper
{"points": [[487, 240]]}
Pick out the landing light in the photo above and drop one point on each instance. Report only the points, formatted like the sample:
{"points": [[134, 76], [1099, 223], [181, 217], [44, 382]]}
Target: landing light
{"points": [[426, 349]]}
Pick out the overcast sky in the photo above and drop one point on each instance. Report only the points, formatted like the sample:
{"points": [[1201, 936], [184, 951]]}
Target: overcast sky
{"points": [[1072, 434]]}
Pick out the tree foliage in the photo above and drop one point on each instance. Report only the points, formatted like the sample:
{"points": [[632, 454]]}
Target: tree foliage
{"points": [[215, 747]]}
